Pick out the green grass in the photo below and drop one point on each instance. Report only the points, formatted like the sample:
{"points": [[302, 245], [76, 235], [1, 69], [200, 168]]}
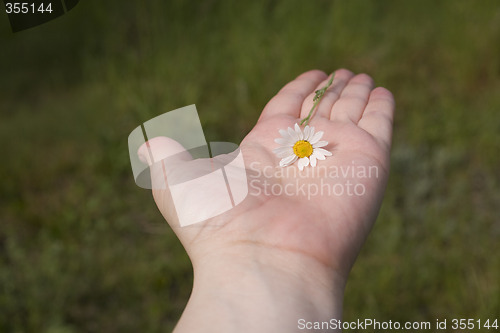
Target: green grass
{"points": [[82, 249]]}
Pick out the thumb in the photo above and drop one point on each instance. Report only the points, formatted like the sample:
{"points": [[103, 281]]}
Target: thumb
{"points": [[160, 148], [163, 155], [190, 191]]}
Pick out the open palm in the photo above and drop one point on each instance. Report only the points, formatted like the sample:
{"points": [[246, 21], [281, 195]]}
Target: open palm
{"points": [[323, 215]]}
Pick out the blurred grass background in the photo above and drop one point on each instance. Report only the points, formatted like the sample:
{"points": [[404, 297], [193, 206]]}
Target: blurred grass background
{"points": [[82, 249]]}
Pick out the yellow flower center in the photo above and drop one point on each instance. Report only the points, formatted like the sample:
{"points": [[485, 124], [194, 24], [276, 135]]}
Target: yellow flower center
{"points": [[302, 148]]}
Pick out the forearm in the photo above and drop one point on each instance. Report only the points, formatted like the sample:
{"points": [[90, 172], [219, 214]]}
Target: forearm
{"points": [[260, 295]]}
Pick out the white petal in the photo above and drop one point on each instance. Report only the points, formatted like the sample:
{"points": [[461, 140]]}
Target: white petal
{"points": [[299, 132], [293, 134], [320, 144], [281, 149], [284, 133], [318, 156], [285, 142], [303, 162], [316, 137], [312, 159], [311, 133], [288, 160], [282, 152], [322, 151], [307, 130]]}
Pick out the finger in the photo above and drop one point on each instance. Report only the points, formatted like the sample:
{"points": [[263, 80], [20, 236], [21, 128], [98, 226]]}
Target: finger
{"points": [[353, 99], [289, 99], [161, 147], [180, 183], [165, 158], [378, 116], [342, 76], [162, 154]]}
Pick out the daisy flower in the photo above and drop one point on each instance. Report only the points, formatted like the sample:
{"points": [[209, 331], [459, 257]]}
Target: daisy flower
{"points": [[302, 146]]}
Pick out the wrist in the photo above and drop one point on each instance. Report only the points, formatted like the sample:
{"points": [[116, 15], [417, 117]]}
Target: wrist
{"points": [[255, 289]]}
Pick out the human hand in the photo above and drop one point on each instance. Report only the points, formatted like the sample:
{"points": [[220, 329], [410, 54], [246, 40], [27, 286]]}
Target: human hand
{"points": [[305, 241]]}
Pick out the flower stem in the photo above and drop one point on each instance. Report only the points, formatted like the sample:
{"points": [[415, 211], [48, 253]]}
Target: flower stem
{"points": [[317, 98]]}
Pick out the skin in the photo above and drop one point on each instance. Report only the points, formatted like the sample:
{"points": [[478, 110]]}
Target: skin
{"points": [[275, 259]]}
